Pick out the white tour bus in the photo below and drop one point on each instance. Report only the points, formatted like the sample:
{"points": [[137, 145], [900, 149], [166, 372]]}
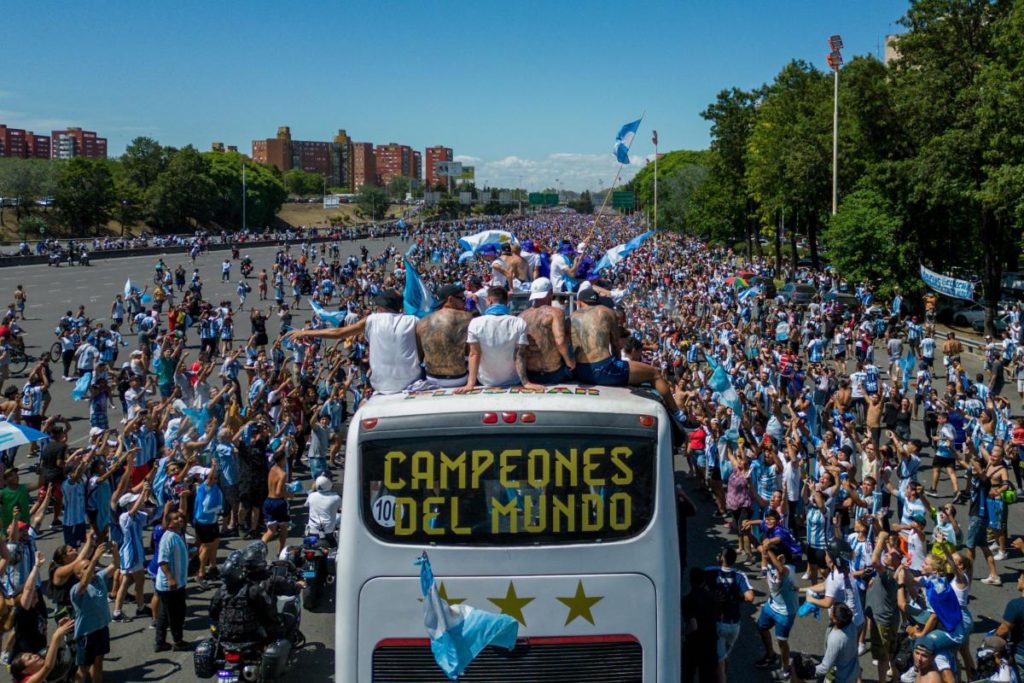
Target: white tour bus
{"points": [[556, 508]]}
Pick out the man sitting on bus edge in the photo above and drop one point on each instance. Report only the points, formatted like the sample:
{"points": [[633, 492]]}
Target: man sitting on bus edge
{"points": [[548, 360], [596, 334], [442, 338], [394, 351], [497, 346]]}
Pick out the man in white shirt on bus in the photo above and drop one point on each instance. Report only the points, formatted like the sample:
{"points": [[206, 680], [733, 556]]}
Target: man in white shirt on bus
{"points": [[394, 353], [497, 346]]}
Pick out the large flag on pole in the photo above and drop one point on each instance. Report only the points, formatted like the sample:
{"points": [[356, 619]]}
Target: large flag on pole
{"points": [[495, 237], [418, 300], [624, 140], [617, 253], [458, 633]]}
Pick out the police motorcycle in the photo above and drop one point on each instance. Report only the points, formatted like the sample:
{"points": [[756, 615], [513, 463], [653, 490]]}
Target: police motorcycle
{"points": [[246, 266], [318, 562], [260, 660]]}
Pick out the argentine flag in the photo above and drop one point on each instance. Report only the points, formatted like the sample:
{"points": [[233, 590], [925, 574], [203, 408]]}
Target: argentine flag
{"points": [[624, 140], [129, 288], [617, 253], [332, 318], [459, 632], [495, 237], [418, 300], [727, 396]]}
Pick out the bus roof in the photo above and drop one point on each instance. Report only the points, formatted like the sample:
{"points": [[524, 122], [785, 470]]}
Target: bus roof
{"points": [[566, 398]]}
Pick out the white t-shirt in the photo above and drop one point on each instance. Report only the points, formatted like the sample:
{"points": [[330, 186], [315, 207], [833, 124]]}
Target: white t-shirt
{"points": [[559, 264], [323, 511], [394, 358], [843, 589], [498, 336]]}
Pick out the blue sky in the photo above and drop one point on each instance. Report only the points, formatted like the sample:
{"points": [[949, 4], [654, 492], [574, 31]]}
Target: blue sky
{"points": [[532, 90]]}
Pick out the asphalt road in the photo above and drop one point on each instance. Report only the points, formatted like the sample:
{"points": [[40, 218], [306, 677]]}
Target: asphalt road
{"points": [[52, 291]]}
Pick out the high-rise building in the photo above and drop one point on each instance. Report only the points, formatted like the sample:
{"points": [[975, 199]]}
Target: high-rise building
{"points": [[364, 165], [37, 146], [341, 160], [17, 142], [435, 155], [393, 160], [217, 147], [75, 142], [326, 159], [417, 166]]}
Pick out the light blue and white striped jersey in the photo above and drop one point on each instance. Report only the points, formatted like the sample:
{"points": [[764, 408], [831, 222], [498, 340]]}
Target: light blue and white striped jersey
{"points": [[174, 553], [74, 502], [132, 549], [145, 441], [818, 527]]}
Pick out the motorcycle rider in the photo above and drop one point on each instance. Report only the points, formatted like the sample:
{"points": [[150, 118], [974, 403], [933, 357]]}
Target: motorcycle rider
{"points": [[324, 504], [244, 607]]}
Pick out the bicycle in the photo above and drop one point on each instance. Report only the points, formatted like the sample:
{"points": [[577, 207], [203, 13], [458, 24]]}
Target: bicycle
{"points": [[19, 361]]}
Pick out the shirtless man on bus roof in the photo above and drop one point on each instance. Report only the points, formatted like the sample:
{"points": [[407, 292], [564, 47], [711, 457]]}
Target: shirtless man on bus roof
{"points": [[517, 266], [548, 360], [442, 338], [596, 335]]}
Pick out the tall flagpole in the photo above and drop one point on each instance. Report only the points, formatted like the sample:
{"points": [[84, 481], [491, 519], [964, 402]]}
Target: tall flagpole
{"points": [[243, 196], [654, 139], [615, 180]]}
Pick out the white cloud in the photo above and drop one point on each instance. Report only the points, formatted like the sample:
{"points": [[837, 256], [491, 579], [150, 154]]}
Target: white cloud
{"points": [[466, 159], [571, 170]]}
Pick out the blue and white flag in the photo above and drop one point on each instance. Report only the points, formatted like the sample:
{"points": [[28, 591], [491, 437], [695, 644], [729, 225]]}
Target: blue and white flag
{"points": [[332, 318], [624, 140], [458, 633], [749, 293], [495, 237], [401, 223], [727, 396], [81, 389], [617, 253], [418, 300], [129, 288]]}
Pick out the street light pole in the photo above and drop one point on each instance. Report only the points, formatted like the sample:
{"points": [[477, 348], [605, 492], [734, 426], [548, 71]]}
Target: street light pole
{"points": [[243, 196], [835, 60]]}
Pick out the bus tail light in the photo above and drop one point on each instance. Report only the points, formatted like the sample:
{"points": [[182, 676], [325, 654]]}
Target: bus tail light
{"points": [[369, 423], [490, 418], [528, 418], [508, 417], [647, 420]]}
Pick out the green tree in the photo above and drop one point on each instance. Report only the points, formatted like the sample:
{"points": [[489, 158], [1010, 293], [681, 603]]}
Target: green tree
{"points": [[585, 204], [955, 53], [32, 226], [398, 187], [144, 160], [183, 193], [373, 202], [302, 183], [85, 193], [27, 180], [867, 242], [265, 192]]}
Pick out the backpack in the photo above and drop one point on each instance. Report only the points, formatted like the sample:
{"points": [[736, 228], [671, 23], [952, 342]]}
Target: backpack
{"points": [[725, 588]]}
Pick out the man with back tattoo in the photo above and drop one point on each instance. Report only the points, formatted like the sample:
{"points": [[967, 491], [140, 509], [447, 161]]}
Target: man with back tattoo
{"points": [[548, 360], [597, 334], [442, 338], [517, 266]]}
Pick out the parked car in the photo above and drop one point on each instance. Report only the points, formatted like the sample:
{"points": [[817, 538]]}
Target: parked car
{"points": [[797, 293], [1000, 324]]}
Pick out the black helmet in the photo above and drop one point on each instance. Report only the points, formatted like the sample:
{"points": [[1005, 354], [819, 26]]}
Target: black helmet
{"points": [[254, 557]]}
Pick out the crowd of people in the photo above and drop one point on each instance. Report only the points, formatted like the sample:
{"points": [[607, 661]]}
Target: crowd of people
{"points": [[218, 416]]}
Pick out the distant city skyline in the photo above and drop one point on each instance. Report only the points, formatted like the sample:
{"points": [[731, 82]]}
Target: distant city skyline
{"points": [[528, 92]]}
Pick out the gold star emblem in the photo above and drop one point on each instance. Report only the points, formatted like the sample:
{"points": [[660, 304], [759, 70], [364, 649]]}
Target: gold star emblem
{"points": [[579, 605], [512, 604], [442, 592]]}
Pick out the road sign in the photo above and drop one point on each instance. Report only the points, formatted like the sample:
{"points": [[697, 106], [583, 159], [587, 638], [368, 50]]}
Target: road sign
{"points": [[451, 169], [505, 197], [467, 173], [332, 201], [543, 199], [465, 198], [623, 200]]}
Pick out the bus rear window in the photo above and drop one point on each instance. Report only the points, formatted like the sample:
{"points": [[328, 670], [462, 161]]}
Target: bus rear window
{"points": [[508, 489]]}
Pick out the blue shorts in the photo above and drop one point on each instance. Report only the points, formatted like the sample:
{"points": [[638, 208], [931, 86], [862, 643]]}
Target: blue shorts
{"points": [[560, 376], [91, 646], [276, 511], [977, 533], [769, 617], [610, 372]]}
